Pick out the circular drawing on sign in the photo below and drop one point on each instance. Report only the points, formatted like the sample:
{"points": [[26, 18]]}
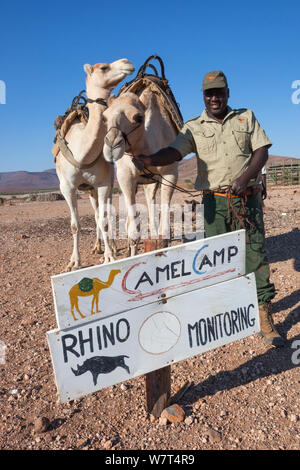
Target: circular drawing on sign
{"points": [[159, 333]]}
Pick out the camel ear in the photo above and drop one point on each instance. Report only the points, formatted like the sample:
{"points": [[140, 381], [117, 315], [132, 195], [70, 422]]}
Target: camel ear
{"points": [[88, 69], [111, 99]]}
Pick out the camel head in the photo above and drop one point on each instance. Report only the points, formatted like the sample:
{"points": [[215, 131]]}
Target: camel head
{"points": [[124, 119], [114, 272], [106, 76]]}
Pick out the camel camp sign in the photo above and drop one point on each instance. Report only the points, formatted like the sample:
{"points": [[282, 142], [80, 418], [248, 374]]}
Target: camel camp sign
{"points": [[100, 291], [130, 317]]}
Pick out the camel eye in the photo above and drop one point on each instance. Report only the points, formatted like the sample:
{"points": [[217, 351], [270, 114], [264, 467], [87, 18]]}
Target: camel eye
{"points": [[138, 118], [104, 118], [104, 67]]}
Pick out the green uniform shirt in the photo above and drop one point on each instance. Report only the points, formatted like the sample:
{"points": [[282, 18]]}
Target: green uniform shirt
{"points": [[223, 149]]}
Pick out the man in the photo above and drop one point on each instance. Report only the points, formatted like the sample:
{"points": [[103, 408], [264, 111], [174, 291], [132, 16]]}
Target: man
{"points": [[231, 148]]}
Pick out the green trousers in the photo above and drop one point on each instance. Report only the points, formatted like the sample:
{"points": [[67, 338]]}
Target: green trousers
{"points": [[218, 219]]}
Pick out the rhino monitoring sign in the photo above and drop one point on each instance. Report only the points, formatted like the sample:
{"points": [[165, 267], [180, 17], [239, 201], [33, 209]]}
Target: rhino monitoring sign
{"points": [[164, 322], [107, 351]]}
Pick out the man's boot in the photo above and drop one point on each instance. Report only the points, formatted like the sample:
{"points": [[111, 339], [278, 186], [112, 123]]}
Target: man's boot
{"points": [[267, 328]]}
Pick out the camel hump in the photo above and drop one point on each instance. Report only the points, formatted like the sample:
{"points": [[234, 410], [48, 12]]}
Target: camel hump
{"points": [[86, 284]]}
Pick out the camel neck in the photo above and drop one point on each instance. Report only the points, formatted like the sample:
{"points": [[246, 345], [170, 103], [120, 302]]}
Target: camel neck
{"points": [[91, 144], [94, 92]]}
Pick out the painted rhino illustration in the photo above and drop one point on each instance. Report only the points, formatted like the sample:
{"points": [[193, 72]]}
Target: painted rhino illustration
{"points": [[101, 365]]}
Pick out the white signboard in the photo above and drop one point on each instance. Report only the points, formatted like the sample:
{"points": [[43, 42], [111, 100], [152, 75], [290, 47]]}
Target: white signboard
{"points": [[108, 289], [101, 353]]}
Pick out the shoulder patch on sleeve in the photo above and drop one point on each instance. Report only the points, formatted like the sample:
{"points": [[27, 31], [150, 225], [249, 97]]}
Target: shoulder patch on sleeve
{"points": [[194, 119], [241, 111]]}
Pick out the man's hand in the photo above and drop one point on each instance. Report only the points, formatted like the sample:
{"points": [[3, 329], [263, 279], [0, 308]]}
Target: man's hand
{"points": [[264, 192], [163, 157], [142, 162], [239, 186], [264, 186], [258, 160]]}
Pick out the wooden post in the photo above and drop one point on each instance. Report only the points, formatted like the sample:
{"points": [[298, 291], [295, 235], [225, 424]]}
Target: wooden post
{"points": [[158, 382], [158, 390]]}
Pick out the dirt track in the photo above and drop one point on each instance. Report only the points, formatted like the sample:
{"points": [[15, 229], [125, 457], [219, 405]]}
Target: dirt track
{"points": [[244, 395]]}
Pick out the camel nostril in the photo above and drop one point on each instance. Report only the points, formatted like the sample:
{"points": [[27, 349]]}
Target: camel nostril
{"points": [[107, 142], [113, 146], [118, 144]]}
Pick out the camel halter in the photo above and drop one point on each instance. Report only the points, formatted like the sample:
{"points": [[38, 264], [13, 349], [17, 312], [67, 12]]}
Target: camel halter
{"points": [[81, 101], [98, 101], [124, 135]]}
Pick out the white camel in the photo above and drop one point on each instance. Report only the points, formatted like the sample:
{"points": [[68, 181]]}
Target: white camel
{"points": [[89, 169], [140, 125]]}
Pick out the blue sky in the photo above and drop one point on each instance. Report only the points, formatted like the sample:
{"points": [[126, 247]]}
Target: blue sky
{"points": [[45, 44]]}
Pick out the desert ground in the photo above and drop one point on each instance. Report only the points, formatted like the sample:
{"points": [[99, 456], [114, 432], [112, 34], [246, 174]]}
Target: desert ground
{"points": [[244, 395]]}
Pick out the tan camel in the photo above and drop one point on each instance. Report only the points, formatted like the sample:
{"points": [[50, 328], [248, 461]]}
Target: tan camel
{"points": [[91, 171], [87, 287], [148, 128]]}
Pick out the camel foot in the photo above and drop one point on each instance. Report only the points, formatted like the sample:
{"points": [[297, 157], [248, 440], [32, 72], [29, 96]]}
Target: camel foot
{"points": [[108, 259], [97, 251], [133, 251], [72, 267], [115, 251], [114, 248], [128, 252], [162, 243], [97, 248]]}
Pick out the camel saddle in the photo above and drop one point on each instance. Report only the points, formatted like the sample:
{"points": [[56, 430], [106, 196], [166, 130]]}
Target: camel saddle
{"points": [[159, 85], [77, 111], [86, 284], [62, 131]]}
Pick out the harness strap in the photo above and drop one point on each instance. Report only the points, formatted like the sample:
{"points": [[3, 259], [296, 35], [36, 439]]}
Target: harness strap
{"points": [[98, 101], [66, 152]]}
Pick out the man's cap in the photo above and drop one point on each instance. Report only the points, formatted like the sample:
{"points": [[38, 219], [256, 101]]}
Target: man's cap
{"points": [[215, 79]]}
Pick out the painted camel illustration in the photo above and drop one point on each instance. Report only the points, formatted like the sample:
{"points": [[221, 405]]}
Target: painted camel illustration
{"points": [[87, 287]]}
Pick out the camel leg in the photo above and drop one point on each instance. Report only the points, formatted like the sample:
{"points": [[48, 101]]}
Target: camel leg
{"points": [[150, 191], [69, 194], [128, 186], [77, 308], [94, 203], [97, 303], [111, 228], [93, 303], [103, 197], [166, 196], [72, 310]]}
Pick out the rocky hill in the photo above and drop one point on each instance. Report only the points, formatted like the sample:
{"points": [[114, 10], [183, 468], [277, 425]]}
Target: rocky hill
{"points": [[20, 181]]}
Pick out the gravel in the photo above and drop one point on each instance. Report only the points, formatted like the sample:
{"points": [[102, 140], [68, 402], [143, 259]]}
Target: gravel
{"points": [[245, 395]]}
